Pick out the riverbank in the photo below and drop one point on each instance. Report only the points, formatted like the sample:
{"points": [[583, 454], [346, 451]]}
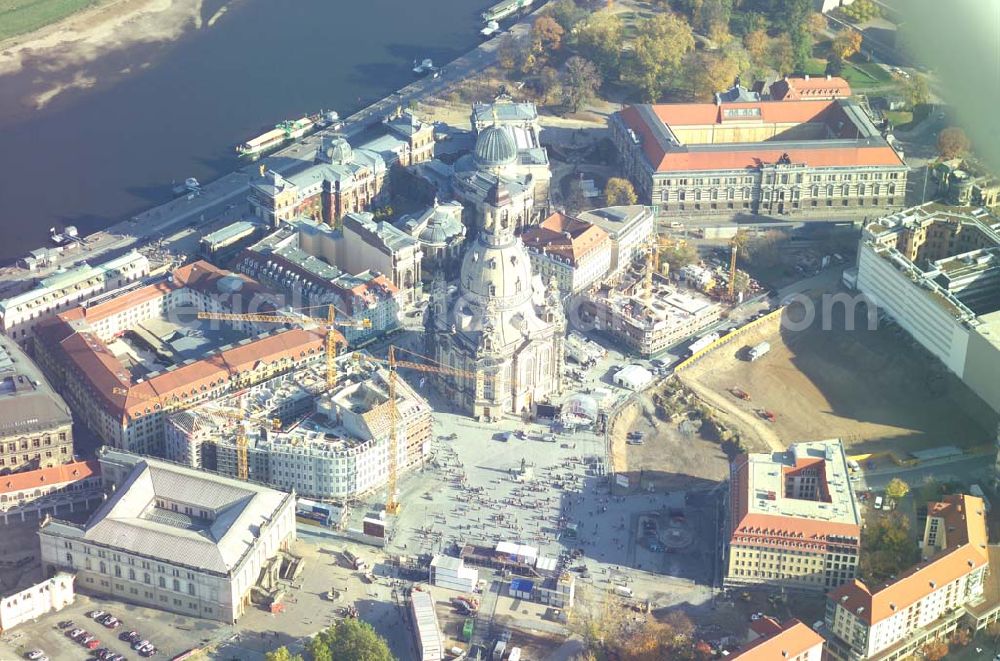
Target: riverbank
{"points": [[83, 37]]}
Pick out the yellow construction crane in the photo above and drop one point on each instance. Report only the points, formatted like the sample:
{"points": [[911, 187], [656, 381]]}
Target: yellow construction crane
{"points": [[392, 504], [242, 465], [331, 324]]}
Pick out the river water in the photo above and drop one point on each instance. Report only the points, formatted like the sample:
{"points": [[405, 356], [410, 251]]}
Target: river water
{"points": [[92, 157]]}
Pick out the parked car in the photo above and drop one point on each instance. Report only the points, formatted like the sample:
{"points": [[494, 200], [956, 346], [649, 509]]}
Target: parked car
{"points": [[95, 614], [92, 644], [75, 633], [111, 622], [148, 650], [35, 654], [139, 645], [130, 636], [65, 624]]}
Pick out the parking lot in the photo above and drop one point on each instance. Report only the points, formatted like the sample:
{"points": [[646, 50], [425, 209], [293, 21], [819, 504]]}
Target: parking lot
{"points": [[171, 634]]}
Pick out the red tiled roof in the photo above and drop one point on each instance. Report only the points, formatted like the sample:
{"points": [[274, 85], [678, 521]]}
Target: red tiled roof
{"points": [[793, 639], [743, 157], [950, 565], [565, 236], [62, 474], [822, 87]]}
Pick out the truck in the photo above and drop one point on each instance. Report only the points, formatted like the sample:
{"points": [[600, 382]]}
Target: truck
{"points": [[355, 560], [702, 342], [758, 351], [499, 649]]}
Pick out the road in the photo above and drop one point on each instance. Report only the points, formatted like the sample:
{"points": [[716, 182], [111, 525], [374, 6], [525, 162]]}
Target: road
{"points": [[964, 468]]}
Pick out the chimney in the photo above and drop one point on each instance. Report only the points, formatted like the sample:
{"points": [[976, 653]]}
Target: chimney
{"points": [[807, 76], [828, 76]]}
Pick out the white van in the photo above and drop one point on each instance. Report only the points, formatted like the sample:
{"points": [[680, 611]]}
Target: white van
{"points": [[623, 591], [878, 502]]}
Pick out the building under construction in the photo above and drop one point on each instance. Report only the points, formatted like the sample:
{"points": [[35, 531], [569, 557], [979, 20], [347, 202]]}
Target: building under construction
{"points": [[299, 436], [648, 315]]}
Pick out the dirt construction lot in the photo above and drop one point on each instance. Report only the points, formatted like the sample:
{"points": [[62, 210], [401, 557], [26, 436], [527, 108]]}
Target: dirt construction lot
{"points": [[876, 390]]}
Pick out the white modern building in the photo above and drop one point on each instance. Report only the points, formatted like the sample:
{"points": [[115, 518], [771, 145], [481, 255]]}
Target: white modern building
{"points": [[450, 572], [174, 538], [935, 270], [64, 289]]}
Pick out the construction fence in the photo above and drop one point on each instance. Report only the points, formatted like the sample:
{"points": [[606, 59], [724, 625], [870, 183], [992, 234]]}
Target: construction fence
{"points": [[771, 317]]}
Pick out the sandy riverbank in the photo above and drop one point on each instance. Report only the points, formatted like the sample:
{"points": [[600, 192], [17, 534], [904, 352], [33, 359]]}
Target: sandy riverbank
{"points": [[62, 52]]}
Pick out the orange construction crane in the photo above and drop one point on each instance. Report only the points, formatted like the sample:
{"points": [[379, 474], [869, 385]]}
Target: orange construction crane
{"points": [[392, 504], [331, 324]]}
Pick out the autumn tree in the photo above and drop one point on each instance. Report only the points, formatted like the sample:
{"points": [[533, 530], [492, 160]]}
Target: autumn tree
{"points": [[816, 22], [599, 39], [546, 35], [507, 52], [953, 143], [758, 44], [961, 637], [619, 192], [935, 650], [916, 91], [549, 85], [581, 80], [993, 631], [896, 489], [710, 72], [660, 46], [846, 43]]}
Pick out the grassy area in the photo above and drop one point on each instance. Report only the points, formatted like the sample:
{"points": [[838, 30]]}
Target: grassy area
{"points": [[860, 75], [19, 17], [899, 118]]}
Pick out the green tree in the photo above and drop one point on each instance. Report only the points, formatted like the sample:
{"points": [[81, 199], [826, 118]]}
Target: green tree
{"points": [[886, 548], [319, 650], [599, 39], [581, 81], [353, 640], [758, 45], [619, 192], [567, 14], [679, 255], [896, 489], [781, 54], [660, 46], [916, 91], [282, 654]]}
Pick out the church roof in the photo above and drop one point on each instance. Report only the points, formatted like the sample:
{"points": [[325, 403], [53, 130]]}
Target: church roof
{"points": [[495, 147]]}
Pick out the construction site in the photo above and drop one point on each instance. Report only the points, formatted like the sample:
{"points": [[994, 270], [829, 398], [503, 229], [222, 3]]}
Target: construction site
{"points": [[876, 389]]}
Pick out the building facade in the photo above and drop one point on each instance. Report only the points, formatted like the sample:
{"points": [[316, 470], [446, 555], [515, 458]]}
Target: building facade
{"points": [[174, 539], [36, 426], [126, 405], [332, 446], [769, 157], [927, 603], [574, 252], [28, 605], [50, 491], [810, 88], [629, 229], [793, 519], [61, 291], [935, 271]]}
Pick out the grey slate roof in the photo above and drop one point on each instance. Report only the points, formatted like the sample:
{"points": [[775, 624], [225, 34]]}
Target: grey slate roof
{"points": [[130, 520]]}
